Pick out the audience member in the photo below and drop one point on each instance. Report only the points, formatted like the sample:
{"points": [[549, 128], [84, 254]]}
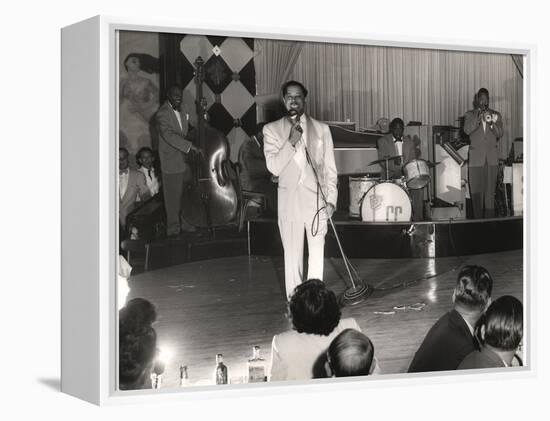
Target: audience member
{"points": [[451, 338], [500, 331], [316, 320], [351, 353], [145, 159], [131, 186], [137, 344]]}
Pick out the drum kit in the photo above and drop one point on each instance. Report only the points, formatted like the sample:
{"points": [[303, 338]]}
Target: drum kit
{"points": [[375, 200]]}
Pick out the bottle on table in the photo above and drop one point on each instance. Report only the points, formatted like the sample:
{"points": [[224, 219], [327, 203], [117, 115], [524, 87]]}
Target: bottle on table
{"points": [[220, 374], [256, 367], [184, 376], [156, 373]]}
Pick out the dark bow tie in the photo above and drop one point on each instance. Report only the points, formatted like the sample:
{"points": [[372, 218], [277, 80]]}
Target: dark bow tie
{"points": [[398, 140]]}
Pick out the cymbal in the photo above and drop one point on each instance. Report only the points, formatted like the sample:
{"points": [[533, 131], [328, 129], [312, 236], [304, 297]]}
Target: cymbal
{"points": [[378, 161]]}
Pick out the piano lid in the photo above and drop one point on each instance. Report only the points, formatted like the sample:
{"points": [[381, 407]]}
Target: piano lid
{"points": [[343, 138]]}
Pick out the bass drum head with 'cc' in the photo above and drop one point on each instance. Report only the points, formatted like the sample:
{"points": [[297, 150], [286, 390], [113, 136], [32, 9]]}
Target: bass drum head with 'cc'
{"points": [[386, 202]]}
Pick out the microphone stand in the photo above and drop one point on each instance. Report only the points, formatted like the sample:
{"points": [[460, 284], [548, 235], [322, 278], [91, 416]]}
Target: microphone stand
{"points": [[358, 291]]}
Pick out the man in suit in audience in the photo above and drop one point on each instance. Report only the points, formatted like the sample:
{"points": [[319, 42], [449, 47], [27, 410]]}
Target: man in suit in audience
{"points": [[131, 187], [145, 159], [394, 144], [484, 126], [301, 201], [174, 149], [451, 338]]}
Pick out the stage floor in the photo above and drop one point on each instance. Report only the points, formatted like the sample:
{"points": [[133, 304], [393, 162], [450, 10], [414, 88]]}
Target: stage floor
{"points": [[228, 305]]}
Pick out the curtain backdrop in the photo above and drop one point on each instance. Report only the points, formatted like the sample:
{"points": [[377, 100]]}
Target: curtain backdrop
{"points": [[273, 61], [365, 83]]}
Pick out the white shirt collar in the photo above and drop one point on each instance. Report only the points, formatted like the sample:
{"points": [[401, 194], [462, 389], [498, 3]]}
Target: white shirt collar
{"points": [[470, 327]]}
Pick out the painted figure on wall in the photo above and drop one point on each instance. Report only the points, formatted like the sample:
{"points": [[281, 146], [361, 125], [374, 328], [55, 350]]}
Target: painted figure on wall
{"points": [[139, 100]]}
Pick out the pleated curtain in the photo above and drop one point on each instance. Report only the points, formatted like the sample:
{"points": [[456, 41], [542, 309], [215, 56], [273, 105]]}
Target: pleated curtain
{"points": [[435, 87]]}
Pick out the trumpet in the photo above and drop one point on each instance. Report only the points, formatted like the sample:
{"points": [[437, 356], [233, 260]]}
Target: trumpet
{"points": [[489, 116]]}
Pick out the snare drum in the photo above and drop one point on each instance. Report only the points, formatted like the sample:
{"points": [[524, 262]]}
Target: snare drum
{"points": [[358, 186], [417, 173], [386, 202]]}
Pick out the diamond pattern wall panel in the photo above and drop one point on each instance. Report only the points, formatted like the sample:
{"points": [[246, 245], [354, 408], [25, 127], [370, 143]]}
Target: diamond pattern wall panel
{"points": [[217, 74], [236, 53], [236, 99], [230, 81], [216, 40], [206, 93], [193, 46], [247, 76], [224, 121], [248, 120]]}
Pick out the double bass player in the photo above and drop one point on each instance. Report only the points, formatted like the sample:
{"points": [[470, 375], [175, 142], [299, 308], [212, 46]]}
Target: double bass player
{"points": [[174, 150]]}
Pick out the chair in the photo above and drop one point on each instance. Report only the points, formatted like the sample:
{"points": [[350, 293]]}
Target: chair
{"points": [[247, 198]]}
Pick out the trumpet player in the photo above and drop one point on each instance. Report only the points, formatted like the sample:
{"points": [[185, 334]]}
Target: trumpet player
{"points": [[484, 126]]}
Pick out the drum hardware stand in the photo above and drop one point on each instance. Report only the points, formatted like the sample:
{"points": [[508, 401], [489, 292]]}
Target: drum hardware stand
{"points": [[358, 291], [387, 168]]}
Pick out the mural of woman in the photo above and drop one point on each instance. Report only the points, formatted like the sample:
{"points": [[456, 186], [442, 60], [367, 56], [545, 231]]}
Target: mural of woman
{"points": [[139, 100]]}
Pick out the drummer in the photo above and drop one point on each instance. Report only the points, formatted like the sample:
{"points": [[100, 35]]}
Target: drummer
{"points": [[405, 149]]}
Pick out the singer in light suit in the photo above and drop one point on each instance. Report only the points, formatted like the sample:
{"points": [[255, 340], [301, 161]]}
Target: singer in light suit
{"points": [[296, 147], [484, 126]]}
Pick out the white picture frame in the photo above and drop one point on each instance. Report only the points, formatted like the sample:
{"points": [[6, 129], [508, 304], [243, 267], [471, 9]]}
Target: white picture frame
{"points": [[89, 207]]}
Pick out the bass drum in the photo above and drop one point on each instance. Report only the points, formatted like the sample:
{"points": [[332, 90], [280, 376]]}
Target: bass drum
{"points": [[358, 186], [386, 202]]}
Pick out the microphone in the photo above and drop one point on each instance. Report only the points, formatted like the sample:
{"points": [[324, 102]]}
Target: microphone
{"points": [[293, 114]]}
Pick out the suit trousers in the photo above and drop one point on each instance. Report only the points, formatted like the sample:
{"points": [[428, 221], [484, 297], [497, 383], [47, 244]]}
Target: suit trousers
{"points": [[292, 237], [173, 186], [483, 181]]}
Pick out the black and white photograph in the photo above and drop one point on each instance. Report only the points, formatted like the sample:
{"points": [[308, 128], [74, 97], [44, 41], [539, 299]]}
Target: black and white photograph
{"points": [[275, 210], [295, 211]]}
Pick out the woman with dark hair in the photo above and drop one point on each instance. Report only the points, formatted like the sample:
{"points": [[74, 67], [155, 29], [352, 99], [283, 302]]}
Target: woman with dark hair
{"points": [[137, 344], [499, 332], [139, 100], [315, 316]]}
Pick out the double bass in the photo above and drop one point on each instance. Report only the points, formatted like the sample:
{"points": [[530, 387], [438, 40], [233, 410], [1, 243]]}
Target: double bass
{"points": [[212, 198]]}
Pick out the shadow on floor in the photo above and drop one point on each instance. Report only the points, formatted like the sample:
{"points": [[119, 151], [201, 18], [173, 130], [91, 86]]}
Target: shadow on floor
{"points": [[52, 383]]}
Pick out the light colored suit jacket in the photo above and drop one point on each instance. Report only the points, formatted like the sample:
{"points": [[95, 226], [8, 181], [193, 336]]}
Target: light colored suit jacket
{"points": [[483, 144], [137, 187], [173, 146], [279, 155], [293, 354], [387, 148]]}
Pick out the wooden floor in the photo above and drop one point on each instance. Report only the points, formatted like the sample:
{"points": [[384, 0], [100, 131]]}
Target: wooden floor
{"points": [[228, 305]]}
